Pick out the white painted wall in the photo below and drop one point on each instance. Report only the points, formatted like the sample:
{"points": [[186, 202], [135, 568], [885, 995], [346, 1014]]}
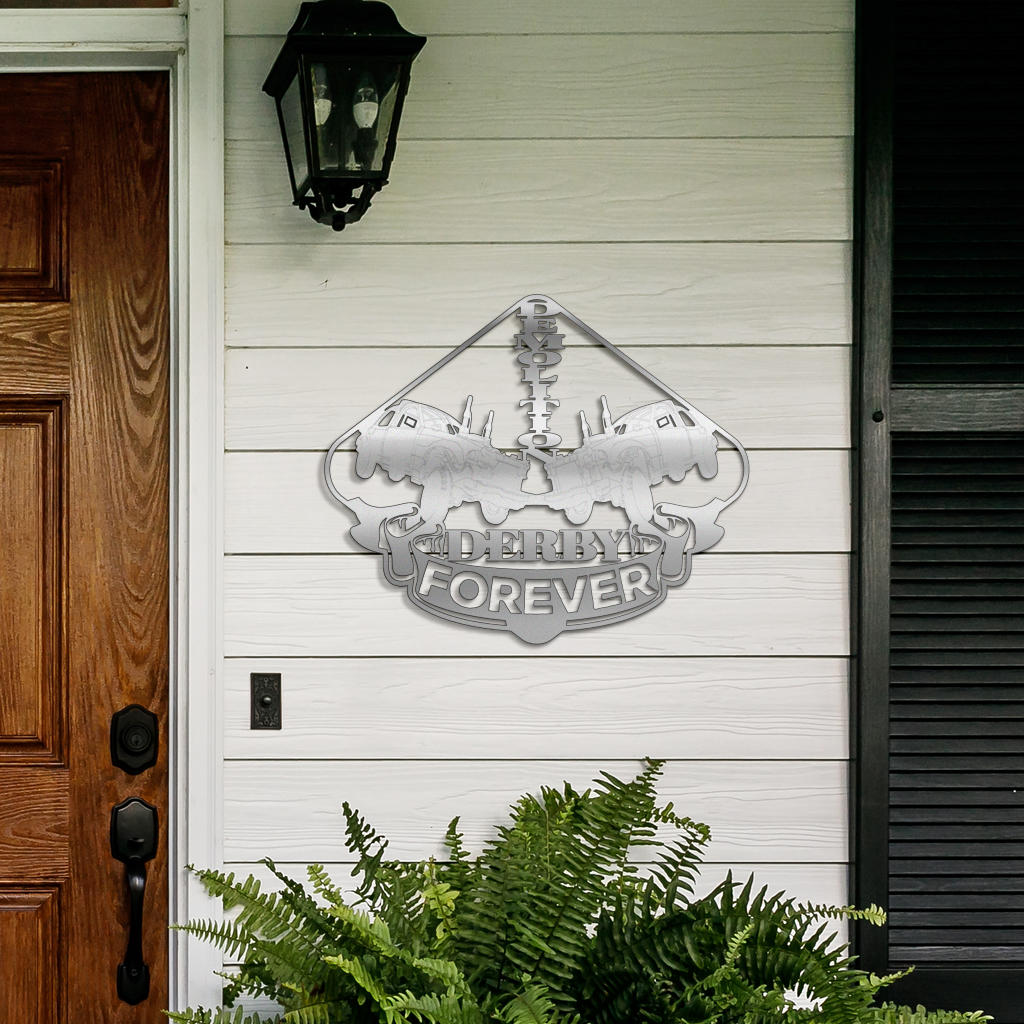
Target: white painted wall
{"points": [[678, 174]]}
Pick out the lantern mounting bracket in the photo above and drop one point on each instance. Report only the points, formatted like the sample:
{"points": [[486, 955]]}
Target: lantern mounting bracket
{"points": [[339, 209]]}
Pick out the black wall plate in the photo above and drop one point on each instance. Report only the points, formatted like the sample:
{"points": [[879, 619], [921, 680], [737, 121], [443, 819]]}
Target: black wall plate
{"points": [[265, 700]]}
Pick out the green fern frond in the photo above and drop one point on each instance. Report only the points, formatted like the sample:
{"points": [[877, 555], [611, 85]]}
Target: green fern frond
{"points": [[315, 1013], [888, 1013], [733, 946], [230, 937], [874, 982], [270, 915], [455, 871], [196, 1016], [873, 914], [391, 889], [736, 945], [301, 910], [370, 847], [439, 901], [427, 1007], [201, 1016], [237, 983], [442, 972], [322, 884], [434, 1009], [531, 1006], [282, 961], [369, 932], [559, 862], [278, 936], [359, 972]]}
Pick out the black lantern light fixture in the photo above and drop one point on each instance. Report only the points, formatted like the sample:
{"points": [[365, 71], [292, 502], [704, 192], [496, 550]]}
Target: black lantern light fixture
{"points": [[339, 83]]}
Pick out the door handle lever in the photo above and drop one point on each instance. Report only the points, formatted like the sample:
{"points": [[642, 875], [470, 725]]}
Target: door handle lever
{"points": [[133, 836]]}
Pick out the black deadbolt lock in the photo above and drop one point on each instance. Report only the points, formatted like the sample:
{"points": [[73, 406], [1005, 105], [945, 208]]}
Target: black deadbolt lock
{"points": [[134, 739]]}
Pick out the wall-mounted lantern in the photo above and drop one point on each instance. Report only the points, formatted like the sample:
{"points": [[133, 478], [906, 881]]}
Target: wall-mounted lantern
{"points": [[339, 83]]}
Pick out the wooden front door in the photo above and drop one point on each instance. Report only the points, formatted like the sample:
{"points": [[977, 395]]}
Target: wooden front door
{"points": [[84, 469]]}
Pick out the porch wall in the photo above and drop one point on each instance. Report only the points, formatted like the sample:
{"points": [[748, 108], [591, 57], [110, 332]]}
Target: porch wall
{"points": [[679, 176]]}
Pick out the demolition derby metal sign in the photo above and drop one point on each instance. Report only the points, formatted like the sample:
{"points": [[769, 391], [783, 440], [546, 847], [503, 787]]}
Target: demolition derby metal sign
{"points": [[537, 582]]}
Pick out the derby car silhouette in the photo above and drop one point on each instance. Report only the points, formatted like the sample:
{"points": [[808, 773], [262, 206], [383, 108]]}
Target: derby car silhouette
{"points": [[451, 464], [633, 454]]}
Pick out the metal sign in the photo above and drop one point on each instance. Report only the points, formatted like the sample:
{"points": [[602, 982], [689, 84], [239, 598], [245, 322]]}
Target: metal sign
{"points": [[537, 582]]}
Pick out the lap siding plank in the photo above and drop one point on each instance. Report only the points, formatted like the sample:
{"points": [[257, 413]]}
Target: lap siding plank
{"points": [[526, 708], [793, 811], [766, 397], [470, 17], [812, 516], [331, 606], [608, 86], [596, 190], [675, 294]]}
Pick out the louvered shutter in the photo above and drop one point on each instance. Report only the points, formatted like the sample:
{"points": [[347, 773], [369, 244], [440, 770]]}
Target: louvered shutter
{"points": [[956, 699], [938, 811], [958, 255]]}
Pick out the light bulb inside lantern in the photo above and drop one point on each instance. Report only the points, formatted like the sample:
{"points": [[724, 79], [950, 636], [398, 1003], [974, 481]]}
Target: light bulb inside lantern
{"points": [[365, 103], [322, 102]]}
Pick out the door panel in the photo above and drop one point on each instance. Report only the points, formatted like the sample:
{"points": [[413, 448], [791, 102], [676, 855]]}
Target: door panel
{"points": [[84, 460], [30, 934], [31, 460], [33, 256]]}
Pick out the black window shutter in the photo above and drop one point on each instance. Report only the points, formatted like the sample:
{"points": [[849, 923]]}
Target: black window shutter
{"points": [[938, 667], [958, 200], [956, 699]]}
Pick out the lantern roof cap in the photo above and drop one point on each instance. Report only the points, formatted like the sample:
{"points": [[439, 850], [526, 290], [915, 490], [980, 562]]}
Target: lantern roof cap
{"points": [[336, 27]]}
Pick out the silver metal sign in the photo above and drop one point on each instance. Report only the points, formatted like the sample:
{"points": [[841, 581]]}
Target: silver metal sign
{"points": [[534, 582]]}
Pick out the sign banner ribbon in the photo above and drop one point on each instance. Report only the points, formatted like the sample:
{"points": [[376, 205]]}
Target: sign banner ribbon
{"points": [[538, 603]]}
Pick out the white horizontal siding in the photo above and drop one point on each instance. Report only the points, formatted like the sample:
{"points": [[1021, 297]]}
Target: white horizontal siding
{"points": [[703, 293], [593, 86], [331, 606], [797, 813], [767, 397], [679, 177], [812, 517], [274, 17], [612, 190], [768, 709]]}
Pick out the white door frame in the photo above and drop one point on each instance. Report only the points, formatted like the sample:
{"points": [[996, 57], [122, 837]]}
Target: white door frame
{"points": [[190, 44]]}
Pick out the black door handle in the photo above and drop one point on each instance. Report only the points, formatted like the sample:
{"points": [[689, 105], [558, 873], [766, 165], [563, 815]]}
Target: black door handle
{"points": [[133, 974], [133, 832]]}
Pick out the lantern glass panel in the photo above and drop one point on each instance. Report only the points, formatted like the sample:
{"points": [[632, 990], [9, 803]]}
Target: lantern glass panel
{"points": [[295, 137], [352, 104]]}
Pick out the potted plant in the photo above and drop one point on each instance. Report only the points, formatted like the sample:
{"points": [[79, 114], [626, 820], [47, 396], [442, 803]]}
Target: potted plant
{"points": [[552, 923]]}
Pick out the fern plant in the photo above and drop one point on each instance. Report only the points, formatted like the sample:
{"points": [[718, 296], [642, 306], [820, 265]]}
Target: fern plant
{"points": [[550, 924], [734, 955], [888, 1013]]}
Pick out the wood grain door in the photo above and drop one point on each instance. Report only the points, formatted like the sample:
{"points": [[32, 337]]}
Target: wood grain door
{"points": [[84, 463]]}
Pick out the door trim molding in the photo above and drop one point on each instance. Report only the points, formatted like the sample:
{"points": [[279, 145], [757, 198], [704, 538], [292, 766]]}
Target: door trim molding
{"points": [[160, 29], [191, 48]]}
